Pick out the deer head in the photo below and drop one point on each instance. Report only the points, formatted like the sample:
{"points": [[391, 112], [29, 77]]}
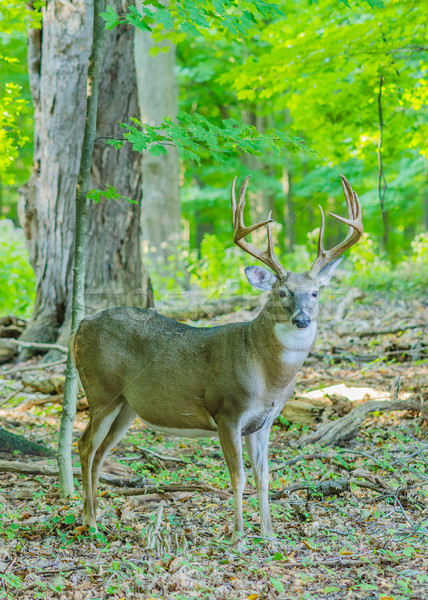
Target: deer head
{"points": [[296, 293]]}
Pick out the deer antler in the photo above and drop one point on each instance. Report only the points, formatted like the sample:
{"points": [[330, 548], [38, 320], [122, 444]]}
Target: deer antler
{"points": [[355, 229], [240, 231]]}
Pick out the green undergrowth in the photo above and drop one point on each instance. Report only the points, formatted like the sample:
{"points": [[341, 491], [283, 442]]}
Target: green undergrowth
{"points": [[217, 271], [17, 282], [360, 544]]}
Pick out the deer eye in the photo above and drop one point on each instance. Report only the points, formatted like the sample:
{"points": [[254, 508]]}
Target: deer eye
{"points": [[281, 294], [314, 294]]}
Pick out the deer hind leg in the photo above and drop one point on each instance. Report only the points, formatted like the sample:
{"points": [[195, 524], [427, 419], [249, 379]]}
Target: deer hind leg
{"points": [[118, 428], [89, 442], [231, 444], [257, 446]]}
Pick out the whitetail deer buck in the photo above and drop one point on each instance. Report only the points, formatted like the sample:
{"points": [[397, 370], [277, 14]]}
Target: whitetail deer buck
{"points": [[229, 381]]}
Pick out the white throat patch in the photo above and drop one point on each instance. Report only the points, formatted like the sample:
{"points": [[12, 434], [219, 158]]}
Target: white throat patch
{"points": [[296, 342]]}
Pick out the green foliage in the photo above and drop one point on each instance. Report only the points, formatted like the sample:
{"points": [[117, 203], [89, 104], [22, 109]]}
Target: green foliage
{"points": [[16, 122], [17, 16], [329, 60], [194, 18], [216, 269], [261, 83], [170, 271], [219, 269], [197, 138], [225, 266], [108, 193], [316, 72], [373, 270], [17, 283], [12, 138]]}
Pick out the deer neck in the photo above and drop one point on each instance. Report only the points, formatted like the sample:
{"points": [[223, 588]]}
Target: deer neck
{"points": [[275, 336]]}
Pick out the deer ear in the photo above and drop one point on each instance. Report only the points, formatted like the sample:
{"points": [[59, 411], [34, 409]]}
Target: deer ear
{"points": [[261, 278], [327, 272]]}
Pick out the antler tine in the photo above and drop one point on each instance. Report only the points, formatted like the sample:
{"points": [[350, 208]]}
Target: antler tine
{"points": [[240, 231], [355, 231]]}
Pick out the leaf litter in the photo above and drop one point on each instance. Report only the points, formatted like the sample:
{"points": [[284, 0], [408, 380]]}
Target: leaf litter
{"points": [[351, 521]]}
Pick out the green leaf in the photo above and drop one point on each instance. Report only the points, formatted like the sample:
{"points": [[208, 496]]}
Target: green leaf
{"points": [[158, 150], [109, 193], [277, 584], [376, 3], [111, 18], [116, 143], [163, 16], [69, 519]]}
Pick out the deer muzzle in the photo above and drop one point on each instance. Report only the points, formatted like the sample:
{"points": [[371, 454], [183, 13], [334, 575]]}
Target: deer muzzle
{"points": [[301, 320]]}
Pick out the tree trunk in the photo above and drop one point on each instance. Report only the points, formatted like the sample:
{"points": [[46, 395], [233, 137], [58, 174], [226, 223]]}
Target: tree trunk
{"points": [[58, 62], [290, 213], [425, 201], [157, 95]]}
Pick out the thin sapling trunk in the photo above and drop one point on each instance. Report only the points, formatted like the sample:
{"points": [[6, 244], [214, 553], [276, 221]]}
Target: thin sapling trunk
{"points": [[78, 298]]}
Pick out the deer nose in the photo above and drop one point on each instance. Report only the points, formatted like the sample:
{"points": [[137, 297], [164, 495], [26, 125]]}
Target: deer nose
{"points": [[301, 321]]}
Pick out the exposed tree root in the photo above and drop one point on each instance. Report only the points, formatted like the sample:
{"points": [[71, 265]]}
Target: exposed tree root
{"points": [[343, 429]]}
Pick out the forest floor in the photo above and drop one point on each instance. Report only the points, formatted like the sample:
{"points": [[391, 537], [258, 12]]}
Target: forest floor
{"points": [[366, 538]]}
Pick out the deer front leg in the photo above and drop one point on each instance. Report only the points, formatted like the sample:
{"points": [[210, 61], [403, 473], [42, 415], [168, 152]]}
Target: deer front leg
{"points": [[231, 444], [257, 446]]}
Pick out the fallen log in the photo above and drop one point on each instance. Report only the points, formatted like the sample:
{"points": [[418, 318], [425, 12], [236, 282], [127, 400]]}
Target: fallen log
{"points": [[82, 403], [336, 487], [51, 470], [8, 350], [345, 428], [11, 442], [304, 410]]}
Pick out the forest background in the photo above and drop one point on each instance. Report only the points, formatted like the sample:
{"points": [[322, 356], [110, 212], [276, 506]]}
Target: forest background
{"points": [[191, 95], [303, 92]]}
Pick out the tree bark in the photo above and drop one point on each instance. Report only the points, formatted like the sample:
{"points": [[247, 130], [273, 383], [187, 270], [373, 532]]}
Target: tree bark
{"points": [[157, 96], [290, 213], [58, 61], [382, 186]]}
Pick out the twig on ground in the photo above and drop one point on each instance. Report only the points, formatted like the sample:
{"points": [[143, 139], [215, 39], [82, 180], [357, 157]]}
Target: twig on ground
{"points": [[351, 357], [335, 487], [341, 562], [34, 367], [39, 346], [10, 396], [321, 456], [161, 456], [172, 488], [373, 333]]}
